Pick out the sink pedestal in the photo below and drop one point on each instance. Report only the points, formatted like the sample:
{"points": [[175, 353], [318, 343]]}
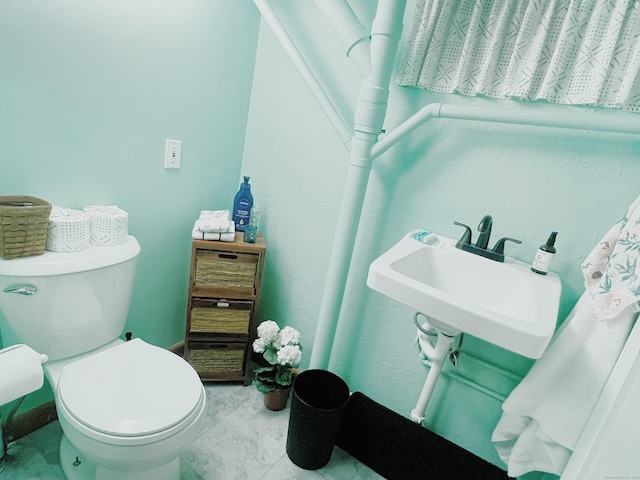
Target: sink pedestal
{"points": [[437, 356]]}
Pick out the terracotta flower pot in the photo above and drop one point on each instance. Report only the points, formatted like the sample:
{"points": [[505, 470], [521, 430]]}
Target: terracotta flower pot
{"points": [[277, 399]]}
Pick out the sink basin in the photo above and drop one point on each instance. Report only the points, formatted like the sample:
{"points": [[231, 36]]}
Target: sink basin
{"points": [[502, 303]]}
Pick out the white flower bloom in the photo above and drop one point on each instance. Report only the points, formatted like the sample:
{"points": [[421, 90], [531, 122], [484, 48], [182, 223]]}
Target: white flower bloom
{"points": [[289, 336], [289, 355], [268, 330], [259, 345]]}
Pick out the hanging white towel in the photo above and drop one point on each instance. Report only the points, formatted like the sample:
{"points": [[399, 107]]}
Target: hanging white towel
{"points": [[546, 413]]}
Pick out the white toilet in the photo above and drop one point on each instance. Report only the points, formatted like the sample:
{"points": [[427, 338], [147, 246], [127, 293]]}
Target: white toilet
{"points": [[127, 409]]}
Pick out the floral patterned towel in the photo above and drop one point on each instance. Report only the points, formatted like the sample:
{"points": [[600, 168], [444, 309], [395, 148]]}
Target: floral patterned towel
{"points": [[610, 274]]}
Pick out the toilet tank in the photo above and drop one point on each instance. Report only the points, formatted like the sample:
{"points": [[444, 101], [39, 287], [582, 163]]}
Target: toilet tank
{"points": [[65, 304]]}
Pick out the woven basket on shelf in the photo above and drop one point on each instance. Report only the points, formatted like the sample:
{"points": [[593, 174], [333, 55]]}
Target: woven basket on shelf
{"points": [[23, 226]]}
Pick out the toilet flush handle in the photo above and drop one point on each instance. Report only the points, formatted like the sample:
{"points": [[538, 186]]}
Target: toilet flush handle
{"points": [[21, 289]]}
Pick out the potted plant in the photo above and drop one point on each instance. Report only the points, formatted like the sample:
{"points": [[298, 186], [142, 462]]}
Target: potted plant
{"points": [[282, 351]]}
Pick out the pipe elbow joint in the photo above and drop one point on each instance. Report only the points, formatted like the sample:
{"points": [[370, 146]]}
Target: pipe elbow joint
{"points": [[352, 37]]}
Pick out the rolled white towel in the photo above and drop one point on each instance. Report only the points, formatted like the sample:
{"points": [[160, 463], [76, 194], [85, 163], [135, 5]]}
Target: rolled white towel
{"points": [[109, 224], [69, 230], [228, 236]]}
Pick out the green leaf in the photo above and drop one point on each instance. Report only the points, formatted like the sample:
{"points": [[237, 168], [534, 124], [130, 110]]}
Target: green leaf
{"points": [[264, 370], [263, 387], [270, 356], [264, 379], [284, 377]]}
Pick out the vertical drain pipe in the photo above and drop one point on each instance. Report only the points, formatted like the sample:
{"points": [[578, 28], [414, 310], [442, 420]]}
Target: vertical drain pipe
{"points": [[369, 116]]}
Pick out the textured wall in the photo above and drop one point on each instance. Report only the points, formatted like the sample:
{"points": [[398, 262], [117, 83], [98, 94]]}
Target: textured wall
{"points": [[532, 180]]}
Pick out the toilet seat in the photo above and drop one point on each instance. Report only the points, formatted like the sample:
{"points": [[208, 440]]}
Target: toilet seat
{"points": [[131, 390]]}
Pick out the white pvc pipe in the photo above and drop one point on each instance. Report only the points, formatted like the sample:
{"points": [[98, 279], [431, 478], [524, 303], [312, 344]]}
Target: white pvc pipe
{"points": [[369, 115], [564, 117], [577, 118], [352, 200], [337, 122], [353, 36], [475, 385], [385, 34], [437, 356], [455, 374], [389, 139]]}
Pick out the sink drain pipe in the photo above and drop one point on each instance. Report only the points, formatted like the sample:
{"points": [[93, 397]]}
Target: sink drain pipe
{"points": [[370, 112], [437, 356]]}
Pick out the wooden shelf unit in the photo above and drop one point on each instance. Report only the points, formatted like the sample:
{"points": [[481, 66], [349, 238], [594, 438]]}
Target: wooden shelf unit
{"points": [[224, 291]]}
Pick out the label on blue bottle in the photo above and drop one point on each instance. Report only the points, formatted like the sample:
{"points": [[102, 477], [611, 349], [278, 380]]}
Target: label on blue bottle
{"points": [[241, 214]]}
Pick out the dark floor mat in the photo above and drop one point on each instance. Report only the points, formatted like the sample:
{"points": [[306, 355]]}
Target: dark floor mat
{"points": [[399, 449]]}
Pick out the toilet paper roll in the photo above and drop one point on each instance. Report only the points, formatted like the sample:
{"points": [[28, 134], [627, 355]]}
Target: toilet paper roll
{"points": [[69, 230], [109, 224], [21, 368]]}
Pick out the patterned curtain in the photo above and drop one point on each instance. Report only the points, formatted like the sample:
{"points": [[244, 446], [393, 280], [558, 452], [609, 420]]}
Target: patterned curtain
{"points": [[565, 51]]}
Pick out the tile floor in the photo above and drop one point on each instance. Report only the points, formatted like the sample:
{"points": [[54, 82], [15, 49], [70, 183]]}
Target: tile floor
{"points": [[240, 440]]}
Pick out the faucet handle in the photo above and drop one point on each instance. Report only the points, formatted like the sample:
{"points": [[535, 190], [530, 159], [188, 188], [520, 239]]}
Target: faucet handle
{"points": [[499, 246], [466, 236]]}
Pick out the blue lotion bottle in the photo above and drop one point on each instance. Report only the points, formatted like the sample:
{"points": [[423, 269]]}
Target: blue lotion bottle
{"points": [[242, 204]]}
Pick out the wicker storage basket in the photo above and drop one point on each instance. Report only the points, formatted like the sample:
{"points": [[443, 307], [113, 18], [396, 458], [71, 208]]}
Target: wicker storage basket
{"points": [[23, 226]]}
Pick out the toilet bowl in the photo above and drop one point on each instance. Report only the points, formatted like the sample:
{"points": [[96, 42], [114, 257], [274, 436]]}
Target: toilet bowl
{"points": [[127, 409], [127, 412]]}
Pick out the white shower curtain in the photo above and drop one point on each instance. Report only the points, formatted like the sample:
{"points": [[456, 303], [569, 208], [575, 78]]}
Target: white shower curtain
{"points": [[564, 51]]}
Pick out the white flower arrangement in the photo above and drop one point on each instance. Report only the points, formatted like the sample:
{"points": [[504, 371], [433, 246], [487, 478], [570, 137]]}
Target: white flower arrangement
{"points": [[282, 350]]}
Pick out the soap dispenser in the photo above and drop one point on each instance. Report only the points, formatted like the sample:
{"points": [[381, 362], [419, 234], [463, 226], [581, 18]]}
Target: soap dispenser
{"points": [[242, 204], [544, 255]]}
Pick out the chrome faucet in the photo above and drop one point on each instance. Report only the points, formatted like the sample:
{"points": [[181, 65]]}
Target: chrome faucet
{"points": [[480, 248]]}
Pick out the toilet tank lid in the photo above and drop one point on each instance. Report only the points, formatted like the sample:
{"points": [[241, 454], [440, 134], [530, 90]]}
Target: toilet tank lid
{"points": [[57, 263]]}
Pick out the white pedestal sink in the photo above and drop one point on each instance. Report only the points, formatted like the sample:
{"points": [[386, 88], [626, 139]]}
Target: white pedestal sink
{"points": [[460, 292]]}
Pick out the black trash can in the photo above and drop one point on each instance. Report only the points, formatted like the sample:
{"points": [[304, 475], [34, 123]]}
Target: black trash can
{"points": [[317, 408]]}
